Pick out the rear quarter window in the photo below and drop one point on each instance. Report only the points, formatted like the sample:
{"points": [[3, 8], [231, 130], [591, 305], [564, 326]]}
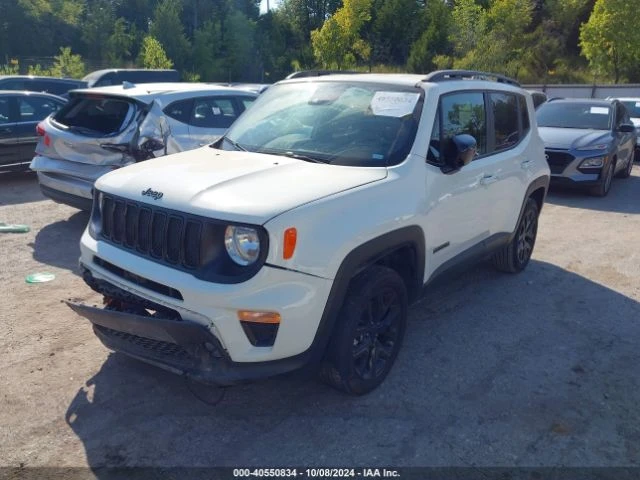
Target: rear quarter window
{"points": [[505, 116], [95, 115]]}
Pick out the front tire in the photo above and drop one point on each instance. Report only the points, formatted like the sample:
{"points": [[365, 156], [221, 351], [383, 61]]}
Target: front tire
{"points": [[515, 256], [603, 188], [368, 333], [626, 173]]}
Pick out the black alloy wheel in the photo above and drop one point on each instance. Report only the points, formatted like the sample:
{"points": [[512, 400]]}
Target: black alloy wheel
{"points": [[368, 332]]}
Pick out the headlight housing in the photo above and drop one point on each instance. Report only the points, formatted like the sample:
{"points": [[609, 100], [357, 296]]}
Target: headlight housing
{"points": [[242, 244], [600, 146], [594, 162]]}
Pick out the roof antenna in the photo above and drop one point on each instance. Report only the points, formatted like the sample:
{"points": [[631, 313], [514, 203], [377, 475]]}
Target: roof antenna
{"points": [[127, 85]]}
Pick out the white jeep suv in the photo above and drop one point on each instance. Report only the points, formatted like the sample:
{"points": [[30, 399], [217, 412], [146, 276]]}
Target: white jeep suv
{"points": [[304, 233]]}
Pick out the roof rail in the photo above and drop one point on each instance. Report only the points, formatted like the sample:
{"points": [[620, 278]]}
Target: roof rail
{"points": [[317, 73], [443, 75]]}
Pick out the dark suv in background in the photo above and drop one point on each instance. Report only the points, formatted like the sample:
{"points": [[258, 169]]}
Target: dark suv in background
{"points": [[56, 86], [115, 76], [20, 113], [587, 142]]}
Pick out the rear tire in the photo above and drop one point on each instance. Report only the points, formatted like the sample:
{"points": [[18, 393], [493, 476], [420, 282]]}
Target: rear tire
{"points": [[515, 256], [368, 332]]}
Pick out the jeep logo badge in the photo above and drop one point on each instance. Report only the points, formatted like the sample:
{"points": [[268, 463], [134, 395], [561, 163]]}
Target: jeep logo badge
{"points": [[152, 193]]}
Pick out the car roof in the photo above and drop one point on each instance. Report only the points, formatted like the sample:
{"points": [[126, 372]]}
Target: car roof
{"points": [[148, 91], [626, 99], [404, 79], [29, 93], [590, 101], [449, 77], [35, 77]]}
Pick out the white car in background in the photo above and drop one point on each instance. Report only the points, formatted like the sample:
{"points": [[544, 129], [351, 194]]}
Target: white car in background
{"points": [[633, 107], [102, 129]]}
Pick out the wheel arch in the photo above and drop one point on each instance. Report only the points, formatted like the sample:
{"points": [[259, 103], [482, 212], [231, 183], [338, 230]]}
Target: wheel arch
{"points": [[538, 191], [403, 250]]}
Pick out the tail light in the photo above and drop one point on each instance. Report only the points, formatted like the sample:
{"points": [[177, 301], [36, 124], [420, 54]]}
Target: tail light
{"points": [[41, 132]]}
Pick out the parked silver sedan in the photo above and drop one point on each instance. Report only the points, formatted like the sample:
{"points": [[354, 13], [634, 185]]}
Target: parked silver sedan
{"points": [[102, 129]]}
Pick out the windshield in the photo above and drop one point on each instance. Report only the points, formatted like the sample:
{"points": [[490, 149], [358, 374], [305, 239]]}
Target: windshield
{"points": [[633, 107], [574, 115], [342, 123]]}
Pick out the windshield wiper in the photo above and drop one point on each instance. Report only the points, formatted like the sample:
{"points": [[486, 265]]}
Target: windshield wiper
{"points": [[298, 156], [234, 144]]}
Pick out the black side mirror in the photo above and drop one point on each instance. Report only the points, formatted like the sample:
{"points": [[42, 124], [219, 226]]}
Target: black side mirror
{"points": [[626, 128], [459, 151]]}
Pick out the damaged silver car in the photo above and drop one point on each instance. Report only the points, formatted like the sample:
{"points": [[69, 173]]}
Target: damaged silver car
{"points": [[102, 129]]}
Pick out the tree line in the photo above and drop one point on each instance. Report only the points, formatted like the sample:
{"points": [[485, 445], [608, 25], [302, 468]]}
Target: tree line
{"points": [[535, 41]]}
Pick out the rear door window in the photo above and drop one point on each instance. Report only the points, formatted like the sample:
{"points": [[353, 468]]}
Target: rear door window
{"points": [[34, 109], [96, 115]]}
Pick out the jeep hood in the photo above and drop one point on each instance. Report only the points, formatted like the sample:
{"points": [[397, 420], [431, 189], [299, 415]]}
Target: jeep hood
{"points": [[568, 138], [237, 186]]}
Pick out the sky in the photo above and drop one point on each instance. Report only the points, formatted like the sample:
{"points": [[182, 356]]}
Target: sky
{"points": [[263, 5]]}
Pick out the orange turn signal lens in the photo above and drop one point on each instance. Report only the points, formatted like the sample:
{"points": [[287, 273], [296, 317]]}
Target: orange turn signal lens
{"points": [[258, 317], [290, 239]]}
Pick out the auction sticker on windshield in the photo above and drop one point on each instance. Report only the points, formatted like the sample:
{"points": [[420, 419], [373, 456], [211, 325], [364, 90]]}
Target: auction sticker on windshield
{"points": [[600, 110], [394, 104]]}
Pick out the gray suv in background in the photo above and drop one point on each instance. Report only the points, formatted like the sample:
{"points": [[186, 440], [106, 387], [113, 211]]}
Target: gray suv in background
{"points": [[587, 142]]}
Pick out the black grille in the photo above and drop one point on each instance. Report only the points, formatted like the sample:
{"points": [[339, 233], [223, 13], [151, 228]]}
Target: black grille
{"points": [[183, 241], [164, 235], [154, 347], [558, 161]]}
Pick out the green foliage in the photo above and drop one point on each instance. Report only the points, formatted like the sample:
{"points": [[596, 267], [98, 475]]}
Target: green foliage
{"points": [[12, 68], [168, 29], [120, 43], [39, 71], [97, 28], [492, 39], [338, 43], [538, 41], [610, 40], [152, 55], [68, 64], [432, 45]]}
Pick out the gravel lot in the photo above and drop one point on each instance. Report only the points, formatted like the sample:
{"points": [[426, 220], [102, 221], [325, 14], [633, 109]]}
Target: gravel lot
{"points": [[537, 369]]}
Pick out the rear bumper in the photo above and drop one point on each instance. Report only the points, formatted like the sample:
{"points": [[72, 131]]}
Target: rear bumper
{"points": [[68, 182], [66, 198], [180, 346]]}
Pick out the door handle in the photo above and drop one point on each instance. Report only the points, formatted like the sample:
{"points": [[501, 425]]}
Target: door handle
{"points": [[489, 179]]}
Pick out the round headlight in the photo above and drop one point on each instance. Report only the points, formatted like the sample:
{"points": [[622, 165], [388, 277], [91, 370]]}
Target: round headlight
{"points": [[242, 244]]}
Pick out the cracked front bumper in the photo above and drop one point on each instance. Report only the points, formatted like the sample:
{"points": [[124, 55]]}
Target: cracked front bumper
{"points": [[180, 346]]}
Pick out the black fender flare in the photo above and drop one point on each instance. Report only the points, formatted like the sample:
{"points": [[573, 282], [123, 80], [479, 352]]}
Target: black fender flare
{"points": [[538, 183], [355, 262]]}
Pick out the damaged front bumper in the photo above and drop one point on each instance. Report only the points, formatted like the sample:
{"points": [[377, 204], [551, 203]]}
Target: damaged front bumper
{"points": [[172, 343]]}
